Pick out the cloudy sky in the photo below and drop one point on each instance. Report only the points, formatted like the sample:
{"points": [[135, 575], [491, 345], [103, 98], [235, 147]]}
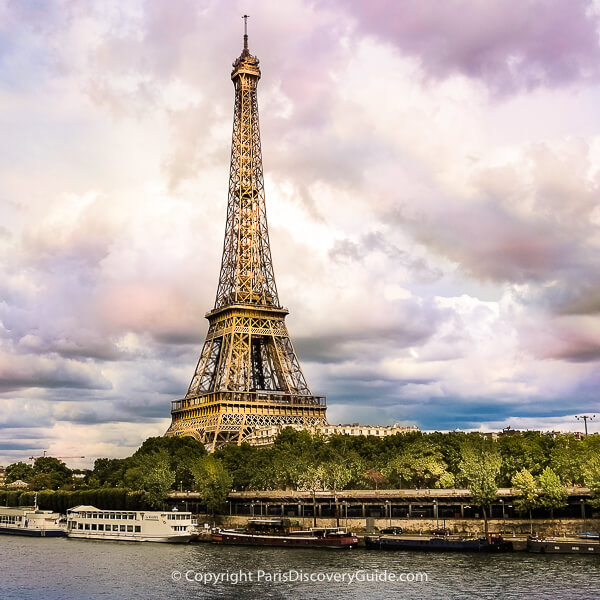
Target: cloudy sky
{"points": [[433, 192]]}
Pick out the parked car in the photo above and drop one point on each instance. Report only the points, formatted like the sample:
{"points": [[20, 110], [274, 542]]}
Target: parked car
{"points": [[443, 531], [392, 531], [589, 535]]}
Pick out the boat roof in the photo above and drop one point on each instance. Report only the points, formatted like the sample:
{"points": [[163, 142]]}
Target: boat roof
{"points": [[88, 508], [26, 509], [269, 521]]}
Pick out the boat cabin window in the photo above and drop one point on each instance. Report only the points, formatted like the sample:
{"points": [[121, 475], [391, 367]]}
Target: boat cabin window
{"points": [[100, 526], [122, 527], [130, 528], [138, 529], [115, 528]]}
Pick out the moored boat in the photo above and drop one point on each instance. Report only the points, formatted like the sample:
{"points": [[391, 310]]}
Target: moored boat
{"points": [[438, 543], [88, 522], [31, 521], [284, 533], [562, 546]]}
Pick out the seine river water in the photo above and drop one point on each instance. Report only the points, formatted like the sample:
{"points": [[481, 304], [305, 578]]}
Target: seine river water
{"points": [[53, 569]]}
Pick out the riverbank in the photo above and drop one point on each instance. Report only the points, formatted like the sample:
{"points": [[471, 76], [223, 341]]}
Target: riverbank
{"points": [[512, 528]]}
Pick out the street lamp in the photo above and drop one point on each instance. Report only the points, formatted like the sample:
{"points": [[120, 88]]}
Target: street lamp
{"points": [[252, 509], [388, 507], [582, 500], [502, 504], [585, 419], [435, 508]]}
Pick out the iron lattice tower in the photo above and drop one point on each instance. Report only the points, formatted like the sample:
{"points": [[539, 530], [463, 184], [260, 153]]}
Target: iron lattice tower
{"points": [[248, 374]]}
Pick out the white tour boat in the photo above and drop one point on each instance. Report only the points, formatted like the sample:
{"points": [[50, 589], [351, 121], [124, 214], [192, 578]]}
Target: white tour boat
{"points": [[89, 522], [30, 520]]}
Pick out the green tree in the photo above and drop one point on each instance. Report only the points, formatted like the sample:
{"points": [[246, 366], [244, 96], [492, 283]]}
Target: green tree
{"points": [[109, 471], [42, 481], [338, 472], [554, 493], [58, 474], [526, 493], [183, 452], [312, 479], [287, 468], [420, 465], [568, 459], [19, 470], [240, 461], [213, 482], [528, 450], [157, 477], [260, 469], [134, 478], [479, 469], [591, 475]]}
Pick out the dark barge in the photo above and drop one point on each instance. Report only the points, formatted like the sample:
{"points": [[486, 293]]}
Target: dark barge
{"points": [[562, 546], [438, 543], [284, 533]]}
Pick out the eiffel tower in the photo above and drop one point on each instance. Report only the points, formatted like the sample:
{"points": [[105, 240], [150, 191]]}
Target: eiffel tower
{"points": [[248, 375]]}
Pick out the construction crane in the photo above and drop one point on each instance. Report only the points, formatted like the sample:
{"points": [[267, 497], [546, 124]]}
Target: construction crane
{"points": [[45, 454]]}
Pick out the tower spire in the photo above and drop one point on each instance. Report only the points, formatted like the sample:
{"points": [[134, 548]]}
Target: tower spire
{"points": [[245, 17], [248, 375]]}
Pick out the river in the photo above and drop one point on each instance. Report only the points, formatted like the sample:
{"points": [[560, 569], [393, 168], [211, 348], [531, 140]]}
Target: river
{"points": [[57, 569]]}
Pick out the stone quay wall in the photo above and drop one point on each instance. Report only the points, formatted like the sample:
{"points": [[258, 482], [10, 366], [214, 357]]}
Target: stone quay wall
{"points": [[509, 527]]}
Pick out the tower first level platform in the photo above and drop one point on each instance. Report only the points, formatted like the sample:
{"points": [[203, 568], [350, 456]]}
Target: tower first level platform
{"points": [[248, 377], [232, 417]]}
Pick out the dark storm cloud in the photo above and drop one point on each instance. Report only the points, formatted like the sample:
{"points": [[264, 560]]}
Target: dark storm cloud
{"points": [[23, 372], [19, 446]]}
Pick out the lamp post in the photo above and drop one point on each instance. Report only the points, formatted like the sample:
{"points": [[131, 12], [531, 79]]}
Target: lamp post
{"points": [[435, 508], [252, 509], [502, 505], [582, 500], [585, 419], [388, 507]]}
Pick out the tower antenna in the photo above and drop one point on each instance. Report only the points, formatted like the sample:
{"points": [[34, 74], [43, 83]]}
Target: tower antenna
{"points": [[245, 17]]}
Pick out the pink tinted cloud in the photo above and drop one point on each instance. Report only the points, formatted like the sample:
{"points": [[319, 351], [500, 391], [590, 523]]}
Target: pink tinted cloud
{"points": [[530, 220], [507, 45], [149, 307], [570, 338]]}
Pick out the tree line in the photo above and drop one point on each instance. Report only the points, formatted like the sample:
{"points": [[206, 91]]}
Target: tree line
{"points": [[537, 465]]}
